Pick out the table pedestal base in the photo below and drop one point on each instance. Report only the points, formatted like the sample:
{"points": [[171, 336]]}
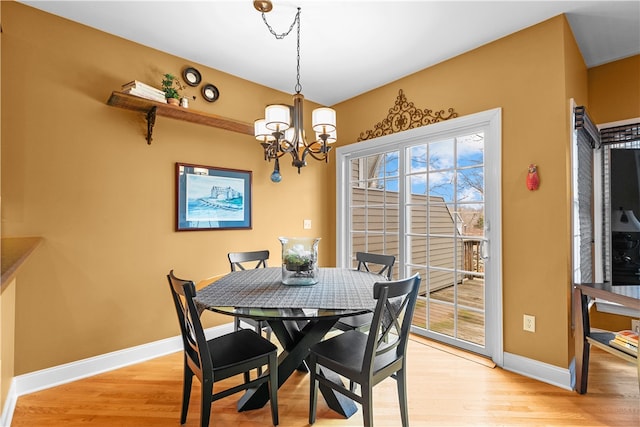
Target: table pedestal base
{"points": [[296, 338]]}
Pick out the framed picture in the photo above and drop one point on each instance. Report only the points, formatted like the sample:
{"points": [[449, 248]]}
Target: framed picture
{"points": [[209, 198]]}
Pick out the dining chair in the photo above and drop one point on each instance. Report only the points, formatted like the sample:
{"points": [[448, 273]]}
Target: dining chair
{"points": [[238, 261], [367, 359], [238, 352], [366, 262]]}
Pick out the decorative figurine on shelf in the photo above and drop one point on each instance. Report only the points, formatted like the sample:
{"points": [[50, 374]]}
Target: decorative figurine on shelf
{"points": [[171, 87], [533, 181]]}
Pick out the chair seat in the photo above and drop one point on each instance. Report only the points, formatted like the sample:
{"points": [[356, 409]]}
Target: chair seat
{"points": [[237, 347], [346, 351], [354, 322]]}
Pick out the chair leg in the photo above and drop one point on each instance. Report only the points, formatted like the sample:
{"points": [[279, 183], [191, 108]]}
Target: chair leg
{"points": [[402, 397], [205, 403], [258, 329], [266, 326], [273, 387], [367, 404], [186, 392], [313, 392]]}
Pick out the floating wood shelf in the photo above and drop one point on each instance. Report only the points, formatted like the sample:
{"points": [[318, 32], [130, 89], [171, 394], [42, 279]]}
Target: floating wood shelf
{"points": [[151, 109]]}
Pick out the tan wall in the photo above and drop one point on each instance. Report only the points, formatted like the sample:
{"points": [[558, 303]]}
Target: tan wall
{"points": [[79, 173], [614, 91], [525, 75]]}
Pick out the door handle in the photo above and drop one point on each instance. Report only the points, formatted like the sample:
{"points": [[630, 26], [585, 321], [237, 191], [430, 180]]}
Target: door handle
{"points": [[484, 249]]}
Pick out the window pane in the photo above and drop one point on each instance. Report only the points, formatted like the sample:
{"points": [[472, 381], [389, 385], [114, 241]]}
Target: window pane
{"points": [[441, 219], [375, 243], [375, 219], [417, 219], [358, 194], [391, 167], [417, 250], [470, 184], [442, 252], [358, 219], [472, 217], [417, 158], [441, 155], [470, 150], [417, 185], [441, 318], [392, 219], [441, 185]]}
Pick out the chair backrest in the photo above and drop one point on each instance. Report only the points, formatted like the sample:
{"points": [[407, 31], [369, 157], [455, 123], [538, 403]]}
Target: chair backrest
{"points": [[236, 259], [196, 349], [391, 318], [365, 260]]}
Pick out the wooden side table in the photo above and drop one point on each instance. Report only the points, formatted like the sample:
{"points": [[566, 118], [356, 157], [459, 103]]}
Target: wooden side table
{"points": [[627, 296]]}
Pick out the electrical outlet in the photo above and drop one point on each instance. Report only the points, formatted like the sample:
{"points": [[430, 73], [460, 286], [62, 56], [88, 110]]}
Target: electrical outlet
{"points": [[635, 326], [306, 224], [529, 323]]}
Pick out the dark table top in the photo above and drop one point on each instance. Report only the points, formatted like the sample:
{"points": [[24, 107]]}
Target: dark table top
{"points": [[627, 295], [260, 294]]}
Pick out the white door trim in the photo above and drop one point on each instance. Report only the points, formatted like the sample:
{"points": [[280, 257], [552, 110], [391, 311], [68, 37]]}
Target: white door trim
{"points": [[491, 121]]}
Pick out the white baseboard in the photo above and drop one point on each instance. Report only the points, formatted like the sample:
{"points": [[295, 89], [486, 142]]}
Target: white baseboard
{"points": [[62, 374], [540, 371], [9, 405]]}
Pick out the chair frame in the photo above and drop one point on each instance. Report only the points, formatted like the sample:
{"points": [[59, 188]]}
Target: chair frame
{"points": [[362, 321], [386, 261], [236, 261], [198, 358], [367, 359]]}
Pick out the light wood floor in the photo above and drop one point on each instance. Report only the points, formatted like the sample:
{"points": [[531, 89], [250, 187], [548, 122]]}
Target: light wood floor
{"points": [[444, 389]]}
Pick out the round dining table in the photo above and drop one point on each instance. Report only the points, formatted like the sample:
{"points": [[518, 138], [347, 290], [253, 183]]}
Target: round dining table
{"points": [[299, 316]]}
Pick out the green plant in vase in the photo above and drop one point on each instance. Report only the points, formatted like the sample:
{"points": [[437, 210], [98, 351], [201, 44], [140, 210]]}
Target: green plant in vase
{"points": [[171, 87], [298, 259]]}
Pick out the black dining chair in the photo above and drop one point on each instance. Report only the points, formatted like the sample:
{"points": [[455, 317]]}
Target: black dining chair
{"points": [[221, 357], [367, 359], [238, 261], [366, 262]]}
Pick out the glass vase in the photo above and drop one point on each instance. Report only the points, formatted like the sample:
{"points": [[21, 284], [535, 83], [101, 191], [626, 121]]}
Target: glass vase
{"points": [[299, 260]]}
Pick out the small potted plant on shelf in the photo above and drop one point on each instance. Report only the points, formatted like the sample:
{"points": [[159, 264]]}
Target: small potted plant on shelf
{"points": [[171, 87]]}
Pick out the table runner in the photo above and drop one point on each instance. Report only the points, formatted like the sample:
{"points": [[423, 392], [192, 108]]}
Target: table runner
{"points": [[337, 288]]}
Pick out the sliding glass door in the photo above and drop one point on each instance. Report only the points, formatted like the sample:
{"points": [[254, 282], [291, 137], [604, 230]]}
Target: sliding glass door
{"points": [[428, 196]]}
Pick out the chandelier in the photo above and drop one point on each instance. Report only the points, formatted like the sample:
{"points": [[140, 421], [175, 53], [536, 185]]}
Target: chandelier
{"points": [[281, 131]]}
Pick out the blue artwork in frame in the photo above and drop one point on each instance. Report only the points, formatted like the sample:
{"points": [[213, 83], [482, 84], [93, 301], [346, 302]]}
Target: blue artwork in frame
{"points": [[210, 198]]}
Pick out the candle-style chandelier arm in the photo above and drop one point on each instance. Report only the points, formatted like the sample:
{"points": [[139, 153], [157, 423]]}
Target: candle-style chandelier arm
{"points": [[320, 154]]}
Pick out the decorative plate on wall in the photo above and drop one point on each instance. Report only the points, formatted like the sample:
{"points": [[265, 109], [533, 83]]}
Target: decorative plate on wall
{"points": [[210, 92], [191, 76]]}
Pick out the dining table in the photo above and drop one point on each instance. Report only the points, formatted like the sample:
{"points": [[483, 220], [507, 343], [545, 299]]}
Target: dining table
{"points": [[299, 316]]}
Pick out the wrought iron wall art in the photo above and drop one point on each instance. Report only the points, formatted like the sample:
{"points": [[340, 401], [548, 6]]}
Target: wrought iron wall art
{"points": [[403, 116]]}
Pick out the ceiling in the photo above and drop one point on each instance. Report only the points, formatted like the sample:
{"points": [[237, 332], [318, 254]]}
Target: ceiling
{"points": [[348, 47]]}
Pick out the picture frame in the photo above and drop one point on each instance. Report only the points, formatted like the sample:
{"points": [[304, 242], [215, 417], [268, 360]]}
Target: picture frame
{"points": [[212, 198]]}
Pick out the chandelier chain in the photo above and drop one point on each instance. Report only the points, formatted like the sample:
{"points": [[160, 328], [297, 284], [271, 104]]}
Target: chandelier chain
{"points": [[296, 20], [298, 87]]}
